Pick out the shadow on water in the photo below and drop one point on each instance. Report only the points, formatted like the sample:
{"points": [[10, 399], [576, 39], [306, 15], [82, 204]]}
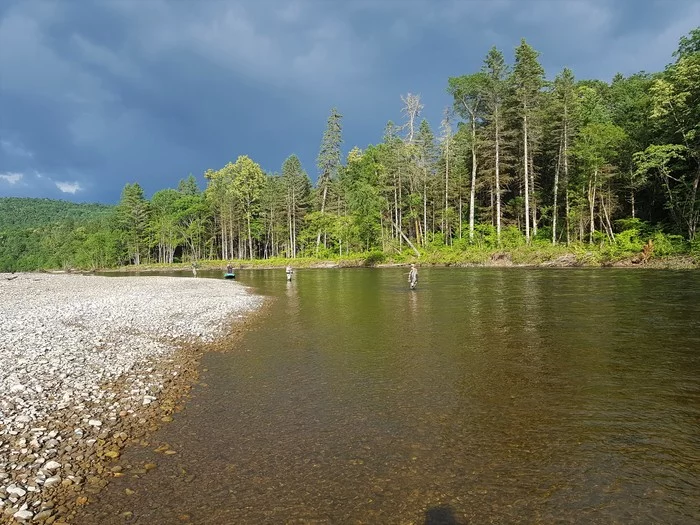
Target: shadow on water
{"points": [[442, 515]]}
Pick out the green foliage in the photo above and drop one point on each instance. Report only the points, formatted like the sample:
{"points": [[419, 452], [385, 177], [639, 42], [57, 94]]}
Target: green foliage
{"points": [[694, 248], [188, 186], [625, 153], [629, 241], [485, 236], [512, 237], [643, 228], [31, 213], [374, 257], [668, 244]]}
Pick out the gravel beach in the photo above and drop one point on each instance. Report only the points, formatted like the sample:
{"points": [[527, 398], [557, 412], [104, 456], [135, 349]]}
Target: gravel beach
{"points": [[87, 363]]}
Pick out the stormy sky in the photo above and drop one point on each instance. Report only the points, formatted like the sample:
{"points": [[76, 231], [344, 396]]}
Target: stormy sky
{"points": [[95, 94]]}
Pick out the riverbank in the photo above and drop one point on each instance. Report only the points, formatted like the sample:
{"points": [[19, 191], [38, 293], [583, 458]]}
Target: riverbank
{"points": [[90, 364], [521, 258]]}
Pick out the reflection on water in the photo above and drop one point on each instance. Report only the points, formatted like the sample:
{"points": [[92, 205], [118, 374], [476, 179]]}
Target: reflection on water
{"points": [[485, 395]]}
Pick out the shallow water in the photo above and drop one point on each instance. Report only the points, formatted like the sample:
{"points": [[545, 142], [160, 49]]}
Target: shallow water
{"points": [[484, 396]]}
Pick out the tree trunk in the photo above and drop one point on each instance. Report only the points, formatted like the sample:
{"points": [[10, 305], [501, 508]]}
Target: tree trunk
{"points": [[527, 177], [591, 203], [533, 200], [472, 190], [608, 225], [323, 209], [498, 184], [408, 241], [447, 188], [556, 193], [425, 208]]}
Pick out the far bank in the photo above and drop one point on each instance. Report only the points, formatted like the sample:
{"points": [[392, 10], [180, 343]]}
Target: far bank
{"points": [[522, 258]]}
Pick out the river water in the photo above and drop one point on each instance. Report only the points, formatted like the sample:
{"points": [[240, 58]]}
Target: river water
{"points": [[483, 396]]}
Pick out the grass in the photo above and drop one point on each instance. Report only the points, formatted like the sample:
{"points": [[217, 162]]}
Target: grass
{"points": [[539, 253]]}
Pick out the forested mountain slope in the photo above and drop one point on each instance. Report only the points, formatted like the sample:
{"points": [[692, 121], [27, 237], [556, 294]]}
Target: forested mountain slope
{"points": [[29, 213]]}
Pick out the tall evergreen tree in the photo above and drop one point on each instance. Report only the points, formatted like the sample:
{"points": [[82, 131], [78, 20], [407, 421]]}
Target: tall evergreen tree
{"points": [[328, 160], [565, 109], [132, 216], [297, 188], [528, 80], [494, 94], [427, 157]]}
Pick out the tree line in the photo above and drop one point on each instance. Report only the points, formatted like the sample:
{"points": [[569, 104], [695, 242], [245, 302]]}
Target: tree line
{"points": [[516, 160]]}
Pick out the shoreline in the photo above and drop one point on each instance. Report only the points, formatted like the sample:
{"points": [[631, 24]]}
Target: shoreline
{"points": [[497, 260], [93, 364]]}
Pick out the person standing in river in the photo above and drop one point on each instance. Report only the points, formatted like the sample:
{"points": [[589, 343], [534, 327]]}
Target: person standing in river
{"points": [[289, 273], [413, 277]]}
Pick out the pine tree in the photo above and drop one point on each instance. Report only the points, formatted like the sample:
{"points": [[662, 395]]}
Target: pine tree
{"points": [[132, 213], [296, 187], [528, 80], [328, 160], [494, 93]]}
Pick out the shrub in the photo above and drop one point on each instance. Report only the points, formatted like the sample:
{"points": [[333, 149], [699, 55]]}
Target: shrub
{"points": [[635, 223], [695, 247], [374, 257], [485, 236], [628, 241], [544, 234], [512, 237], [666, 244]]}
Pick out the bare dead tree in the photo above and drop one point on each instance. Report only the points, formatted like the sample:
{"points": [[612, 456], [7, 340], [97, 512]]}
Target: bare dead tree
{"points": [[412, 108]]}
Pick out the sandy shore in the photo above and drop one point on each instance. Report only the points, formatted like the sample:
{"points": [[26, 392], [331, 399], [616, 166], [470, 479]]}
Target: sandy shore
{"points": [[87, 364]]}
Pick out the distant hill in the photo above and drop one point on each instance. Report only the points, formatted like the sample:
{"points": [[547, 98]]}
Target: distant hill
{"points": [[18, 212]]}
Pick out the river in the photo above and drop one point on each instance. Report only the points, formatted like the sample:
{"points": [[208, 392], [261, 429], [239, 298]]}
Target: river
{"points": [[483, 396]]}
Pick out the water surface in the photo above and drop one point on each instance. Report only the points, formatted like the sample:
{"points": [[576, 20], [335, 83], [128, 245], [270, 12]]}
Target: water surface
{"points": [[484, 396]]}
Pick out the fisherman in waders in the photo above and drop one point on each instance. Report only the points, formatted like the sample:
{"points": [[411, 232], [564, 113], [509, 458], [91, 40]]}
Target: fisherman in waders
{"points": [[229, 267], [413, 277], [289, 273]]}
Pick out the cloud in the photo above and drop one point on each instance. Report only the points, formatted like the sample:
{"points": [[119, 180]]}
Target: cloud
{"points": [[11, 178], [155, 90], [305, 46], [68, 187], [17, 150], [103, 57]]}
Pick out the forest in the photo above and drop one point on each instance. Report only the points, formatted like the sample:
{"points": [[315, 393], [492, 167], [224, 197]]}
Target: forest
{"points": [[519, 165]]}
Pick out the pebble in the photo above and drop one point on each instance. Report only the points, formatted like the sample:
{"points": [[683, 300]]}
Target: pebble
{"points": [[64, 340], [23, 515], [52, 465]]}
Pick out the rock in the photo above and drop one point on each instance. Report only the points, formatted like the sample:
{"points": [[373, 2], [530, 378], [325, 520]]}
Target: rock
{"points": [[54, 480], [16, 491], [52, 465], [23, 515], [43, 515], [95, 423]]}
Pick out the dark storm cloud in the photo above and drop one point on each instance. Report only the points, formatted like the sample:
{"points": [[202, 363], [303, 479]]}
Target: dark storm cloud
{"points": [[97, 94]]}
